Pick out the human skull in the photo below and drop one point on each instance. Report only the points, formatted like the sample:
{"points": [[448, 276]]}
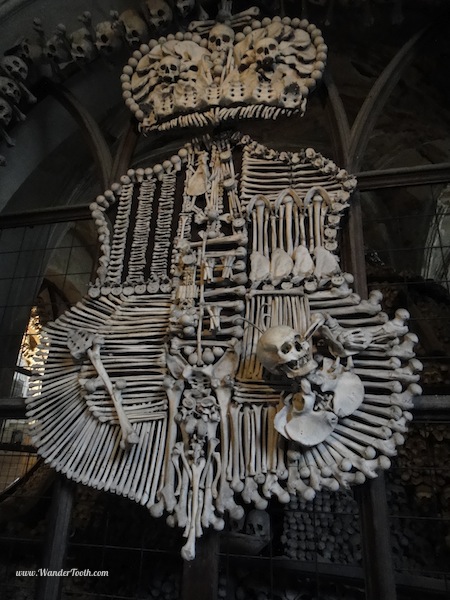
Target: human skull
{"points": [[258, 524], [221, 38], [56, 47], [5, 112], [283, 351], [169, 69], [189, 72], [157, 13], [135, 29], [107, 39], [15, 67], [267, 53], [82, 45], [10, 90], [185, 7]]}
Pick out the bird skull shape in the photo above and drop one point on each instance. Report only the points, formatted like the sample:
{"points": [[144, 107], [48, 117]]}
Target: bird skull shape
{"points": [[221, 38], [168, 69], [10, 90], [284, 351], [5, 113], [185, 7], [15, 67], [267, 53]]}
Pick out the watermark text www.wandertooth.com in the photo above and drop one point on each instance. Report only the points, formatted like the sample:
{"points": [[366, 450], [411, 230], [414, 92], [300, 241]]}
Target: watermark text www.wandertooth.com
{"points": [[62, 573]]}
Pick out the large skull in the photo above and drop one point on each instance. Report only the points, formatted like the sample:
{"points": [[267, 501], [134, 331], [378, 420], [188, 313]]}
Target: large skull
{"points": [[10, 90], [107, 37], [267, 53], [5, 112], [283, 351], [169, 69], [221, 38], [15, 67], [157, 12]]}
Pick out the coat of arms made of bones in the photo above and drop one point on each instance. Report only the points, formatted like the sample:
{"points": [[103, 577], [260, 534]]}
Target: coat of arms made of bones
{"points": [[221, 355]]}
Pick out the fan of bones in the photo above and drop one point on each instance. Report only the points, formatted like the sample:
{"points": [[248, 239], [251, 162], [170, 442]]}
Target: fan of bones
{"points": [[222, 356]]}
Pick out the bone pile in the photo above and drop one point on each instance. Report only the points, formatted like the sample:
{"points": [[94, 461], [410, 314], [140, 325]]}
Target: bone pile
{"points": [[327, 530], [229, 360], [217, 71]]}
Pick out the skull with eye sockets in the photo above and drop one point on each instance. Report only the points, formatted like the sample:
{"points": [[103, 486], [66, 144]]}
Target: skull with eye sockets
{"points": [[284, 351], [221, 38], [169, 69], [267, 53]]}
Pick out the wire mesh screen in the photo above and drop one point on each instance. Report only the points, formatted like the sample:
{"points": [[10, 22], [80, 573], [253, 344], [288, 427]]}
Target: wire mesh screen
{"points": [[407, 237]]}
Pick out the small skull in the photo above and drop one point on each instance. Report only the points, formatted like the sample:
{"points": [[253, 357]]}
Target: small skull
{"points": [[283, 351], [189, 72], [56, 48], [135, 29], [10, 90], [221, 38], [5, 113], [82, 45], [107, 38], [258, 524], [15, 67], [267, 53], [169, 69], [185, 7], [157, 13]]}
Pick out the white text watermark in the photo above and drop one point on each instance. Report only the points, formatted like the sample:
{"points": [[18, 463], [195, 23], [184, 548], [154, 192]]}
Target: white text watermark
{"points": [[62, 573]]}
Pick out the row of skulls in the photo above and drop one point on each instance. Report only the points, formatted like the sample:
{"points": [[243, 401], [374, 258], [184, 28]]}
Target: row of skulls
{"points": [[50, 54]]}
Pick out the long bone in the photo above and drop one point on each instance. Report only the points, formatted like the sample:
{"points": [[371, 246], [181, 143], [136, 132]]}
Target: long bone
{"points": [[236, 238], [188, 550], [389, 386], [165, 495], [80, 342], [367, 321], [271, 487], [296, 485], [317, 469], [371, 427], [366, 451], [405, 375], [233, 471], [334, 460], [387, 447]]}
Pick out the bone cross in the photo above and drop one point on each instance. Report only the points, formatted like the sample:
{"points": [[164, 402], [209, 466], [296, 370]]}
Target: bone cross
{"points": [[82, 342]]}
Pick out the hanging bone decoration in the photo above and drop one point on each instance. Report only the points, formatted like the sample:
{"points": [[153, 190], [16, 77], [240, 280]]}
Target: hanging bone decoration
{"points": [[221, 354]]}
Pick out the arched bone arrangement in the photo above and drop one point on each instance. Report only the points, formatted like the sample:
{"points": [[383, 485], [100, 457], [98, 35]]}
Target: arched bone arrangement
{"points": [[231, 360]]}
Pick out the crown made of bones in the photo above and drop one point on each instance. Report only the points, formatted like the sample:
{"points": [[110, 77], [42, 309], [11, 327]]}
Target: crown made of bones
{"points": [[241, 68]]}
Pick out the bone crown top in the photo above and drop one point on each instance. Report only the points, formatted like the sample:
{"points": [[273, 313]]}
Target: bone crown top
{"points": [[224, 72]]}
